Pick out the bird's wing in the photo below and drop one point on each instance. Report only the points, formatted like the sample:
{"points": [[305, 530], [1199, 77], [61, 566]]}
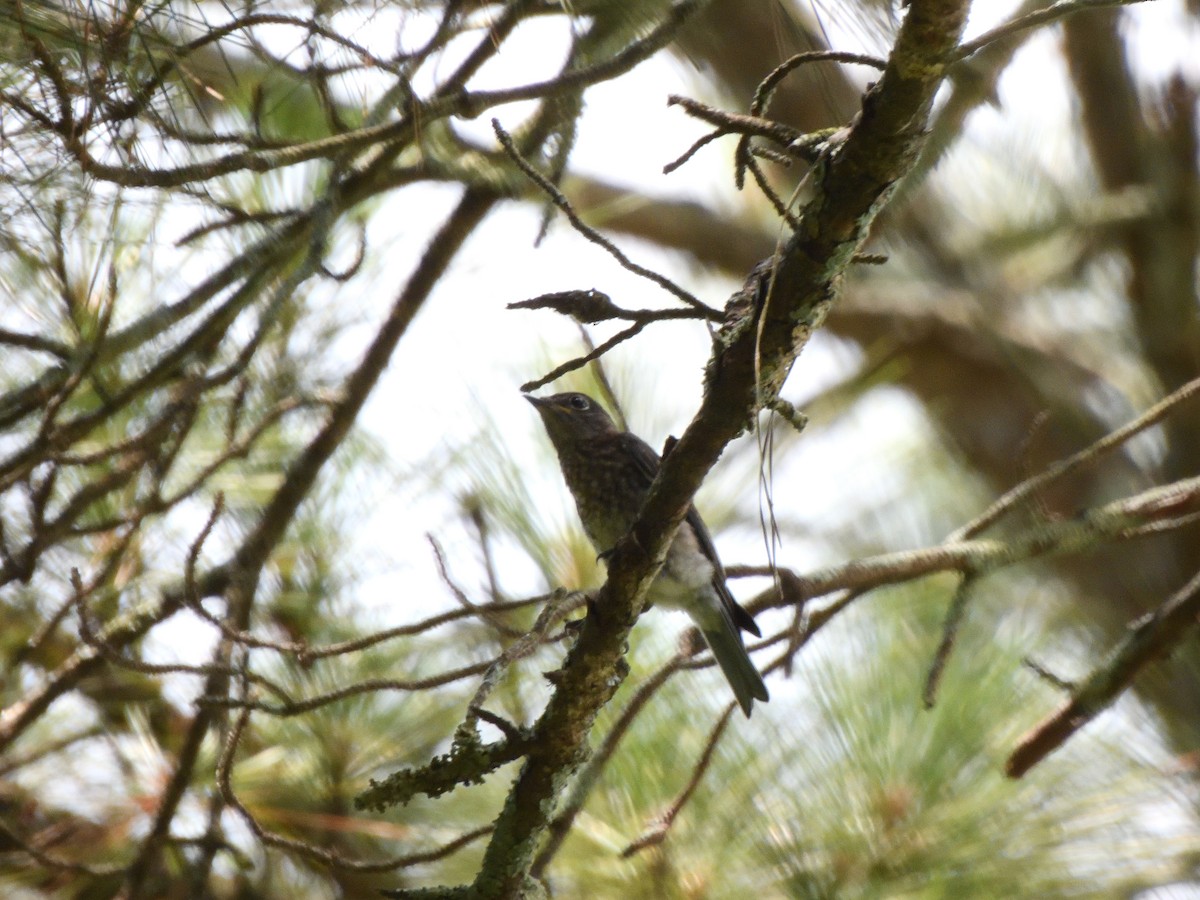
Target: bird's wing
{"points": [[647, 462]]}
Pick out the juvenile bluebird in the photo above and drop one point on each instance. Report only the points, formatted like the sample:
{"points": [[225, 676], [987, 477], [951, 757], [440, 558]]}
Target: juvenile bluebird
{"points": [[609, 473]]}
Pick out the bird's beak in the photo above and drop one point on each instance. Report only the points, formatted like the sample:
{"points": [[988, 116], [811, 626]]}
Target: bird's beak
{"points": [[540, 402]]}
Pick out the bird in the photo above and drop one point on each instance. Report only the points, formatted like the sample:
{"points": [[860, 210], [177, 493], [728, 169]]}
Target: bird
{"points": [[609, 472]]}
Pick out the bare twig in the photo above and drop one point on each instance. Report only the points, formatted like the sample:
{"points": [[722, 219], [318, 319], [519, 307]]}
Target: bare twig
{"points": [[586, 780], [1093, 451], [1054, 11], [766, 88], [524, 646], [591, 306], [559, 200], [607, 393], [15, 843], [782, 208], [701, 142], [320, 854], [34, 342], [737, 123], [14, 762], [480, 611], [1152, 637], [1123, 519], [369, 686], [580, 361], [657, 833], [954, 616], [1049, 677]]}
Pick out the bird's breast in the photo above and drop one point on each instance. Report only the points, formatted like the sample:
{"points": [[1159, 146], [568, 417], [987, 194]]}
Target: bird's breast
{"points": [[607, 508], [609, 490]]}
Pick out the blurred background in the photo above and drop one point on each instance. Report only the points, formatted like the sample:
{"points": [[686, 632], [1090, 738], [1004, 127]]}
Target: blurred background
{"points": [[181, 322]]}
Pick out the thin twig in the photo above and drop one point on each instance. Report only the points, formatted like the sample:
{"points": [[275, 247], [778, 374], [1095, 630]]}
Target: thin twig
{"points": [[766, 88], [1049, 677], [368, 686], [737, 123], [559, 200], [480, 612], [524, 646], [1127, 518], [954, 616], [1109, 442], [581, 788], [1152, 637], [591, 306], [224, 784], [607, 392], [34, 342], [50, 861], [657, 833], [580, 361], [700, 142], [781, 208], [1054, 11]]}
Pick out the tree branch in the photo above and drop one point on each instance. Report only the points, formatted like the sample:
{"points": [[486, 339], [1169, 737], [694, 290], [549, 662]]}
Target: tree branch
{"points": [[1054, 11], [767, 325], [1153, 637]]}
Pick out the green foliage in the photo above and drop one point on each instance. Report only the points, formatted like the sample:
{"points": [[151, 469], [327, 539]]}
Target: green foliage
{"points": [[844, 786]]}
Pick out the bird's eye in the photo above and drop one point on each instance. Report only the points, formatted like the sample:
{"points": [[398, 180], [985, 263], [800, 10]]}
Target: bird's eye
{"points": [[579, 402]]}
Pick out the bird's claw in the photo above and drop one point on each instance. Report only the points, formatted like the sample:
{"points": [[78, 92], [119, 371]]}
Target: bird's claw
{"points": [[631, 538]]}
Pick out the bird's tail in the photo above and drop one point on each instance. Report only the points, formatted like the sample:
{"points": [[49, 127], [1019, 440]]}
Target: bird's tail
{"points": [[725, 642]]}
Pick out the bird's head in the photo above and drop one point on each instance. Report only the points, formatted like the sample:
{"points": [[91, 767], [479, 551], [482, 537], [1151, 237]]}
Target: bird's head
{"points": [[572, 418]]}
